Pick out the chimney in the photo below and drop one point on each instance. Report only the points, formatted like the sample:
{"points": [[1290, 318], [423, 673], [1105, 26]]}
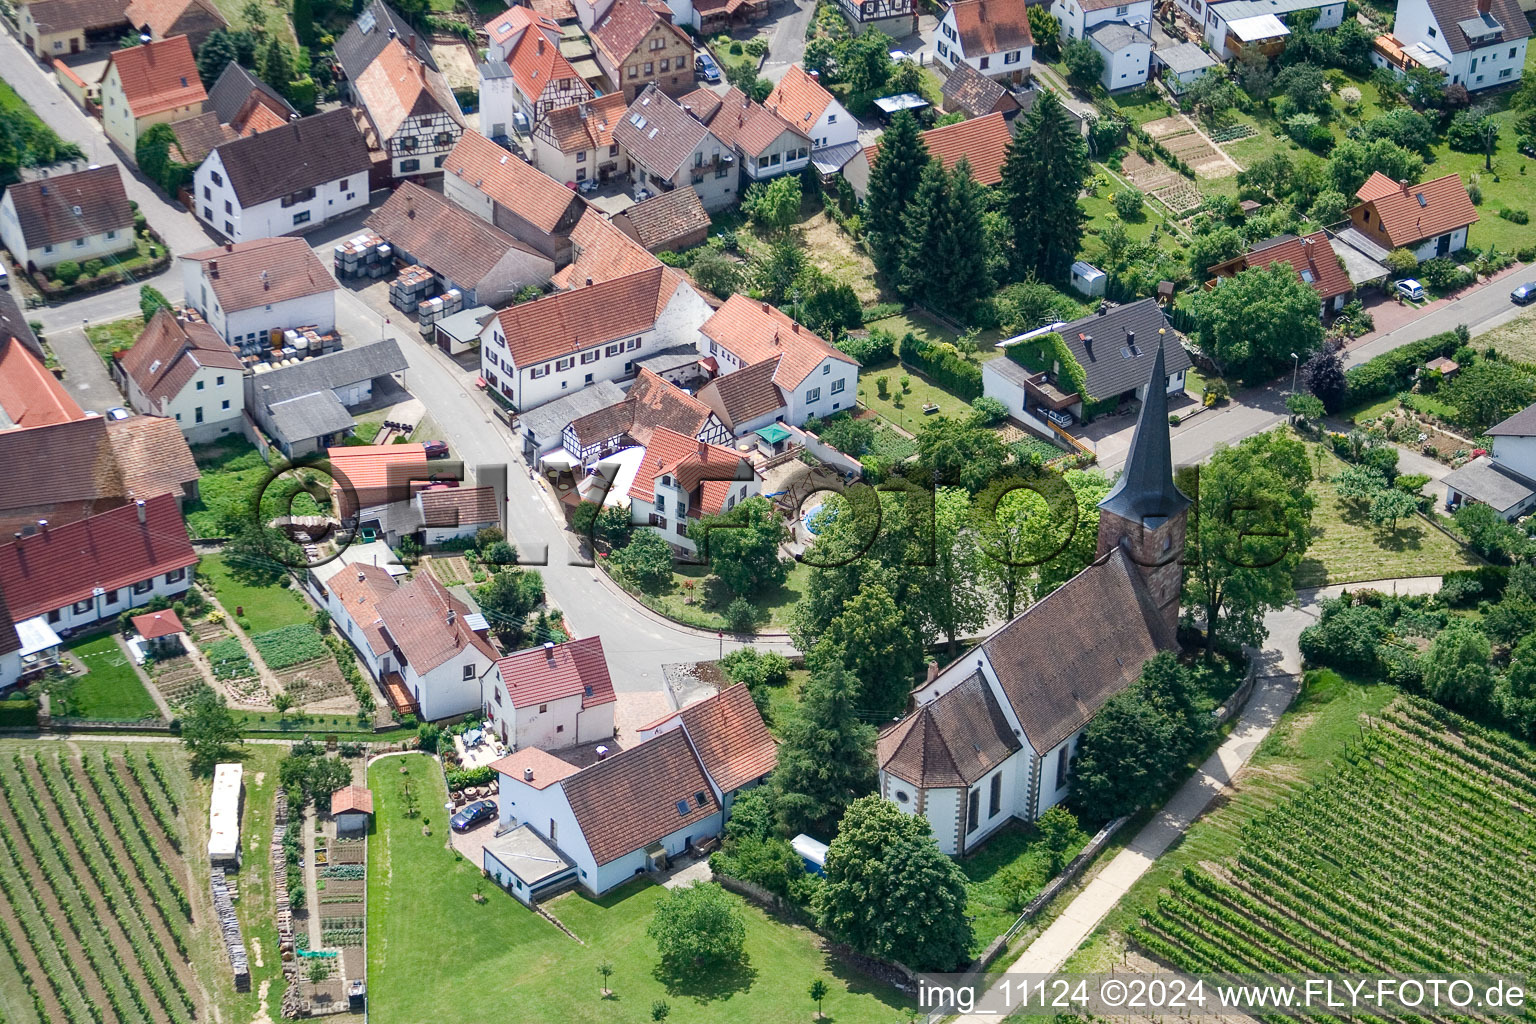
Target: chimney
{"points": [[452, 617], [541, 46], [933, 671], [589, 282], [1103, 309], [602, 752], [213, 268], [1087, 340], [229, 246], [410, 209], [412, 44], [527, 774], [549, 649], [1483, 6], [266, 284], [1130, 340], [765, 307], [703, 450], [795, 326], [42, 527], [361, 575], [139, 504]]}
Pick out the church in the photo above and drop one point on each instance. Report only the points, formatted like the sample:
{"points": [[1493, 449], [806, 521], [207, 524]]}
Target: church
{"points": [[992, 735]]}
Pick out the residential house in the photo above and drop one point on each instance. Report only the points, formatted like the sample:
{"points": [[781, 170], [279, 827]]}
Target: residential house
{"points": [[77, 574], [629, 813], [153, 458], [673, 221], [771, 368], [1127, 53], [971, 94], [412, 115], [1181, 65], [896, 18], [601, 251], [650, 404], [183, 370], [983, 141], [765, 145], [373, 486], [81, 216], [27, 648], [162, 19], [425, 648], [1475, 43], [196, 137], [236, 88], [502, 190], [505, 31], [708, 17], [1430, 219], [246, 290], [521, 861], [487, 265], [152, 83], [636, 48], [55, 28], [665, 147], [308, 406], [537, 351], [369, 35], [1235, 25], [800, 99], [542, 79], [30, 396], [1311, 257], [449, 512], [1505, 478], [575, 143], [992, 736], [1080, 17], [288, 180], [543, 429], [991, 36], [551, 697]]}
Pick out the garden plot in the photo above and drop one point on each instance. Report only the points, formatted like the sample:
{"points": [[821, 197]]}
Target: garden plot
{"points": [[318, 686], [177, 678]]}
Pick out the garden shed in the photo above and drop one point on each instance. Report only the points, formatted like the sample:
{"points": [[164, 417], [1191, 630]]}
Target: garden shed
{"points": [[351, 807]]}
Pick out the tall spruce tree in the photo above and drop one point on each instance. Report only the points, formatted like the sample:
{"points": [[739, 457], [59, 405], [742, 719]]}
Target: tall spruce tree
{"points": [[828, 756], [1043, 173], [277, 66], [926, 228], [966, 250], [893, 181], [304, 22]]}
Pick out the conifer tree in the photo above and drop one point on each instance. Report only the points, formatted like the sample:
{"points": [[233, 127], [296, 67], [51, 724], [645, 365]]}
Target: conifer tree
{"points": [[926, 228], [277, 66], [1043, 173], [893, 181], [827, 759]]}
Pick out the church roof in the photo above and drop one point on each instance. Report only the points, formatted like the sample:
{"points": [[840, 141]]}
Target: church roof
{"points": [[949, 742], [1145, 489]]}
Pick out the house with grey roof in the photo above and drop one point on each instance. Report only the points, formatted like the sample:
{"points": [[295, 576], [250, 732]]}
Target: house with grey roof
{"points": [[233, 90], [1505, 478], [667, 147], [542, 427], [308, 406], [1181, 65], [1475, 43], [1127, 53]]}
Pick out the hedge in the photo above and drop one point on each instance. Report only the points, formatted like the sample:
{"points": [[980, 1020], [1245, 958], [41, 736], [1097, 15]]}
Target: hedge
{"points": [[1394, 371], [869, 349], [944, 365], [18, 714]]}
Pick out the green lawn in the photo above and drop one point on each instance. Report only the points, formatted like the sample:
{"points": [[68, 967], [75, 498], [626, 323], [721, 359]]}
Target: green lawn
{"points": [[1016, 847], [233, 472], [909, 413], [1514, 340], [1347, 549], [784, 700], [776, 604], [110, 689], [1142, 105], [264, 607], [113, 335], [434, 954]]}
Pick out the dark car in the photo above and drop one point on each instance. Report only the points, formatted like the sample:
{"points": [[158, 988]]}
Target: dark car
{"points": [[705, 67], [1523, 294], [473, 815], [436, 449]]}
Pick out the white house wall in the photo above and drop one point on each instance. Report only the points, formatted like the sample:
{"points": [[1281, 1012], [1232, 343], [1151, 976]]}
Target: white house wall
{"points": [[548, 812], [88, 247], [1076, 22], [317, 311], [498, 102], [595, 723], [112, 604], [619, 871], [1126, 67], [212, 189], [444, 691], [222, 401]]}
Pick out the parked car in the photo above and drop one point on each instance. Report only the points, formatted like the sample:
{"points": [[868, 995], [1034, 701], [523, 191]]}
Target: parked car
{"points": [[705, 67], [1523, 294], [473, 815], [1060, 417], [117, 412], [5, 277], [436, 449], [1410, 289]]}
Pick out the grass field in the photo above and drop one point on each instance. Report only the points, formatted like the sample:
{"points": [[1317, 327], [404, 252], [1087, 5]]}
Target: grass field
{"points": [[1346, 549], [909, 415], [1014, 849], [110, 689], [436, 955], [233, 474], [266, 608], [1515, 339], [108, 337], [775, 606]]}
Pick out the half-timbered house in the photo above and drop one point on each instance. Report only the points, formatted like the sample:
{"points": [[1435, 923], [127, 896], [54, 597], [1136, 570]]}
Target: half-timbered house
{"points": [[413, 116]]}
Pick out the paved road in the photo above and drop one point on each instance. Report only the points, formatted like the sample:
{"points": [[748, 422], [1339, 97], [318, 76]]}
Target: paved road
{"points": [[786, 38], [1481, 310]]}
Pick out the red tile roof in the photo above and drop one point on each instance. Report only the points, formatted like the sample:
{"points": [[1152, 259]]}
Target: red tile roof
{"points": [[728, 733], [514, 20], [158, 76], [397, 86], [669, 220], [982, 140], [520, 187], [291, 269], [360, 588], [168, 352], [458, 506], [758, 331], [546, 767], [738, 122], [543, 674], [65, 207], [601, 252], [588, 125], [63, 472], [162, 15], [30, 395], [1312, 258], [363, 472], [626, 25], [799, 98], [949, 742], [427, 624], [1412, 213], [744, 395], [153, 456], [65, 564], [991, 26], [153, 625], [567, 321], [651, 403], [536, 61], [690, 460], [352, 799]]}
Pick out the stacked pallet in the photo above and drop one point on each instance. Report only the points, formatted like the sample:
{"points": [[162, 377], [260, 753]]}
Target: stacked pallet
{"points": [[229, 926], [411, 287], [365, 255]]}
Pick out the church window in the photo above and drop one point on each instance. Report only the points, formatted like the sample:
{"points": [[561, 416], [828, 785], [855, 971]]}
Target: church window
{"points": [[901, 796], [1062, 756], [995, 798], [973, 812]]}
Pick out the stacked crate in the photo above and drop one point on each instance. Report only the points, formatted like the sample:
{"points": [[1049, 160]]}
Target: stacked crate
{"points": [[408, 290]]}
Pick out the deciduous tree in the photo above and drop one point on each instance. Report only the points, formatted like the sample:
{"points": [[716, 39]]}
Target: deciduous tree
{"points": [[742, 546], [208, 730], [1256, 319], [698, 928], [870, 639], [646, 561]]}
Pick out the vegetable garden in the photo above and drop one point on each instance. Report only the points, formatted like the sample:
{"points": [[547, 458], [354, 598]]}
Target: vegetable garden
{"points": [[1412, 856]]}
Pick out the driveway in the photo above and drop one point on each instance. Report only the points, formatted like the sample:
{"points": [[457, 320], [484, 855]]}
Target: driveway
{"points": [[86, 377], [786, 37]]}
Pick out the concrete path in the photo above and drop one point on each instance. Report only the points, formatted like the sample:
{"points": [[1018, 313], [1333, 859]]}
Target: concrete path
{"points": [[85, 373], [786, 37]]}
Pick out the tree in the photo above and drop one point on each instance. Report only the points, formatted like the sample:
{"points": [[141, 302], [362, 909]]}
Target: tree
{"points": [[153, 152], [1426, 86], [1031, 524], [864, 61], [943, 252], [1458, 671], [1255, 73], [1248, 530], [774, 204], [889, 891], [1214, 246], [509, 597], [1357, 486], [1304, 406], [1058, 833], [955, 451], [1043, 173], [742, 546], [277, 66], [1085, 65], [870, 639], [827, 758], [1404, 127], [821, 58], [1303, 88], [1490, 535], [906, 76], [1046, 30], [1487, 392], [818, 989], [1323, 375], [606, 970], [759, 671], [150, 301], [1352, 161], [1256, 319], [893, 181], [828, 306], [258, 555], [1329, 207], [645, 561], [217, 52], [1213, 98], [949, 594], [698, 928], [208, 729], [777, 272], [1391, 505], [304, 22], [282, 703], [716, 272]]}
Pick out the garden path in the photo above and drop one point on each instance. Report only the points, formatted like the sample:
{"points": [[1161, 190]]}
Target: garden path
{"points": [[144, 677]]}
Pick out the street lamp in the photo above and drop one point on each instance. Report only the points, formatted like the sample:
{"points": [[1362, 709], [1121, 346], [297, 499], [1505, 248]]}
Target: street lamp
{"points": [[1295, 366]]}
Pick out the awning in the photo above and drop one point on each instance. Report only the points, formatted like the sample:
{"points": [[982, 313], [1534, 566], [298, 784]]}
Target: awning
{"points": [[773, 433], [557, 459], [830, 159], [710, 363], [36, 635]]}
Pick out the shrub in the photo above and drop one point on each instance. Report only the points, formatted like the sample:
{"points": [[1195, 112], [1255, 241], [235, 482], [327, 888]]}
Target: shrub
{"points": [[1346, 637], [1394, 371], [1516, 217], [883, 386], [875, 347], [1128, 202], [67, 273], [1526, 254], [757, 46], [736, 49], [94, 267], [741, 616], [1401, 261], [944, 363]]}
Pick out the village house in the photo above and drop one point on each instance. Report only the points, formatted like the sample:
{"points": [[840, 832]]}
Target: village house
{"points": [[246, 290], [139, 551], [991, 737], [1430, 219], [982, 141], [412, 115], [600, 251], [1505, 478], [153, 458], [708, 17], [184, 371], [502, 190], [542, 79], [801, 100], [765, 145], [30, 396], [537, 351], [307, 407], [992, 36], [236, 91], [449, 512], [665, 147], [970, 93], [1080, 17], [1180, 66], [487, 265], [80, 216], [57, 28], [896, 18], [1127, 53], [651, 403], [288, 180], [238, 105], [506, 30], [629, 813], [575, 143], [351, 810], [551, 697], [367, 37], [1237, 25], [373, 487], [542, 430], [636, 47], [148, 84], [1310, 256], [1474, 43], [162, 19], [672, 221], [682, 478], [771, 368]]}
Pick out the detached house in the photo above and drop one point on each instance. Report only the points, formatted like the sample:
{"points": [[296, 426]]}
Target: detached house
{"points": [[502, 190], [56, 28], [78, 217], [766, 145], [246, 290], [149, 84], [448, 511], [575, 143], [636, 47], [162, 19], [1504, 479], [1080, 17], [991, 36], [665, 147], [550, 697], [982, 141], [1474, 43], [683, 478], [184, 371], [1127, 53], [802, 101], [284, 181], [411, 112], [1430, 219], [1311, 257]]}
